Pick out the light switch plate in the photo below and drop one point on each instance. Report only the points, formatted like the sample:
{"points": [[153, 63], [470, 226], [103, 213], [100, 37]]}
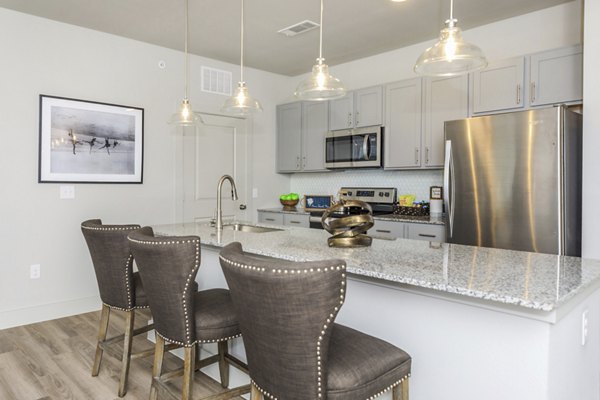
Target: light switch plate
{"points": [[254, 193], [67, 192]]}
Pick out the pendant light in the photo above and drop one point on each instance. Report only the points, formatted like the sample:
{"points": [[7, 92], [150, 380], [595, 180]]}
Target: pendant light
{"points": [[185, 116], [320, 85], [241, 103], [451, 55]]}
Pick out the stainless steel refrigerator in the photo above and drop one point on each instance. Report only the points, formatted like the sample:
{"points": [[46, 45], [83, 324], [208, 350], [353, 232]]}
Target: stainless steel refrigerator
{"points": [[513, 181]]}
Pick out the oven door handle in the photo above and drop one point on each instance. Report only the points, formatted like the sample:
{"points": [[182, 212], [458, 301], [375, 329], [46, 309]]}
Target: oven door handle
{"points": [[366, 148]]}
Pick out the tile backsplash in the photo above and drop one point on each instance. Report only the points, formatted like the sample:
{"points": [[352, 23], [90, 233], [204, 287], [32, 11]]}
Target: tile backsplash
{"points": [[407, 182]]}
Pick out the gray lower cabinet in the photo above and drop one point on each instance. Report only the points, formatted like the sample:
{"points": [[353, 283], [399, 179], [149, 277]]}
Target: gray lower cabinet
{"points": [[445, 99], [271, 218], [280, 218], [429, 232], [301, 131], [298, 220], [408, 230], [403, 119], [556, 76]]}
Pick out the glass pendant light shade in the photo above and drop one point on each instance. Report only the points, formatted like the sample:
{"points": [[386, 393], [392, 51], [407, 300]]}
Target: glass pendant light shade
{"points": [[185, 116], [241, 103], [320, 85], [451, 55]]}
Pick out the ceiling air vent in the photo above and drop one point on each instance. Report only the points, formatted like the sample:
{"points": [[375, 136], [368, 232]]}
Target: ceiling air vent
{"points": [[216, 81], [299, 28]]}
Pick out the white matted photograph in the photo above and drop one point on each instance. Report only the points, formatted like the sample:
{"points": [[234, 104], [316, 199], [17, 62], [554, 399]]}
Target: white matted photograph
{"points": [[90, 142]]}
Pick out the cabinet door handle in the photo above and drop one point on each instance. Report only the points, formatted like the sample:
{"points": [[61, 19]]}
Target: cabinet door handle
{"points": [[297, 162], [382, 231], [295, 222], [426, 155], [349, 119], [357, 114], [270, 219], [416, 155], [518, 94], [532, 92], [426, 235], [304, 162]]}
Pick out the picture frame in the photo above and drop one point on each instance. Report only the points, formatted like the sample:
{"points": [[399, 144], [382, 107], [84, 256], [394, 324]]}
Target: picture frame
{"points": [[314, 202], [83, 141], [436, 192]]}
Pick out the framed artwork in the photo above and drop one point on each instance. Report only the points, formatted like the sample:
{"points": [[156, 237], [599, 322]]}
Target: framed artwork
{"points": [[90, 142]]}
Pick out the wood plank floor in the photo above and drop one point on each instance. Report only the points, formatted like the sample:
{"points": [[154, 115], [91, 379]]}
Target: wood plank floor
{"points": [[53, 360]]}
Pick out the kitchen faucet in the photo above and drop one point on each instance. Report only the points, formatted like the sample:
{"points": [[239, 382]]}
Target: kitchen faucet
{"points": [[234, 196]]}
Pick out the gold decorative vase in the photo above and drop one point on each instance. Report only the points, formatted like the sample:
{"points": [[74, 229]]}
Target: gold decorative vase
{"points": [[348, 231]]}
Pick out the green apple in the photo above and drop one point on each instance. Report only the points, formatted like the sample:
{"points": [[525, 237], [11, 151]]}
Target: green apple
{"points": [[294, 196]]}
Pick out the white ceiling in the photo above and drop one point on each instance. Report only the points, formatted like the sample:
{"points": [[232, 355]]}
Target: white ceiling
{"points": [[352, 28]]}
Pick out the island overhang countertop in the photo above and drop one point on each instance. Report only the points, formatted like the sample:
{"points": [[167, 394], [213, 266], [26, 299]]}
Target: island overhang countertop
{"points": [[533, 281]]}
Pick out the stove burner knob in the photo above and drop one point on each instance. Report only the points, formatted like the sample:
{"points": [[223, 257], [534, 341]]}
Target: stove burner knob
{"points": [[349, 193], [380, 194], [387, 194]]}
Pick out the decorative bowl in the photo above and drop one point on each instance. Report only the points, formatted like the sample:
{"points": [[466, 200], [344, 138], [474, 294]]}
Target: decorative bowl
{"points": [[289, 204]]}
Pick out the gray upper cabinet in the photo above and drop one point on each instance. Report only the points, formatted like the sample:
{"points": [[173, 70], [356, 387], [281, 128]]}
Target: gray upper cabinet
{"points": [[301, 130], [368, 107], [341, 113], [446, 99], [357, 109], [315, 116], [289, 137], [556, 76], [402, 142], [500, 86]]}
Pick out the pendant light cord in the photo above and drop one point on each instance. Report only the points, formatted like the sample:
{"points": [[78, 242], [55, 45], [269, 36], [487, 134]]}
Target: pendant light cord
{"points": [[186, 49], [321, 36], [242, 44], [451, 21]]}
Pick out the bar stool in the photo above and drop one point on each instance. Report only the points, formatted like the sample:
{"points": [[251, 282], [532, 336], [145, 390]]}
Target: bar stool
{"points": [[295, 351], [120, 289], [168, 267]]}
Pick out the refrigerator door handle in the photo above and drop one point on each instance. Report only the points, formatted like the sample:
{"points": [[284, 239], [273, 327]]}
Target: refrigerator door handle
{"points": [[447, 197]]}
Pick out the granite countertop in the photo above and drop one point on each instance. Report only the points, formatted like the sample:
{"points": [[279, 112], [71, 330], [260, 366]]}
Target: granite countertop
{"points": [[540, 282], [433, 219]]}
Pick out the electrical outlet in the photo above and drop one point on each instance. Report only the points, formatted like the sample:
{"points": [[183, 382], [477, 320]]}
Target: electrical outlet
{"points": [[35, 271], [584, 327], [254, 193], [67, 192]]}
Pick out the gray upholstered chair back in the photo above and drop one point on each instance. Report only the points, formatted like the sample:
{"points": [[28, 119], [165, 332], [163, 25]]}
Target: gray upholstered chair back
{"points": [[286, 311], [168, 268], [113, 262]]}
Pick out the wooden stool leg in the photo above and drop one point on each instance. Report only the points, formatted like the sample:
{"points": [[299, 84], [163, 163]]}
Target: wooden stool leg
{"points": [[188, 372], [254, 393], [129, 320], [400, 392], [103, 329], [197, 358], [223, 366], [159, 354]]}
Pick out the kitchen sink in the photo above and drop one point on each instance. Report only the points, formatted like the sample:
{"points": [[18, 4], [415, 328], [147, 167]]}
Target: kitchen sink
{"points": [[250, 228]]}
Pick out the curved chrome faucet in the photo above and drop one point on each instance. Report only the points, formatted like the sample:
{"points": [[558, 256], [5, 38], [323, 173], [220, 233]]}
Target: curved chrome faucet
{"points": [[234, 196]]}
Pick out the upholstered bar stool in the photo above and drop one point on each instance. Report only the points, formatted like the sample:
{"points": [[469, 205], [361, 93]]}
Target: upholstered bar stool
{"points": [[295, 350], [168, 267], [120, 289]]}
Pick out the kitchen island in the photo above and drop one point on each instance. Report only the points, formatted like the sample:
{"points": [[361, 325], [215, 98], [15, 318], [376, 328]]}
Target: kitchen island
{"points": [[479, 323]]}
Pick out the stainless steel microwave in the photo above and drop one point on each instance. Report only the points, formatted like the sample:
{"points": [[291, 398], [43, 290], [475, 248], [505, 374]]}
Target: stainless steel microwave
{"points": [[354, 148]]}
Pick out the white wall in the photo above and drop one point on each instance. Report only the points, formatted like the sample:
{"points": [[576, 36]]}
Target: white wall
{"points": [[41, 56], [591, 131], [529, 33]]}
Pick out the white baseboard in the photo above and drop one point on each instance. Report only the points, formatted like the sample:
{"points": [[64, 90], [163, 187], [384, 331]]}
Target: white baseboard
{"points": [[46, 312]]}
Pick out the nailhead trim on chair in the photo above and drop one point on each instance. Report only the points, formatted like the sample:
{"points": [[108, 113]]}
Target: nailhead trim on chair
{"points": [[125, 309], [111, 228], [187, 286], [331, 316], [389, 387], [127, 283]]}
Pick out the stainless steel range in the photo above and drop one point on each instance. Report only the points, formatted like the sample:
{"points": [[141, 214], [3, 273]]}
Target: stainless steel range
{"points": [[381, 200]]}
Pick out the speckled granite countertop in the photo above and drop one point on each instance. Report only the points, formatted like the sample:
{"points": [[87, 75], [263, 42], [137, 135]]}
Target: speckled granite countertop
{"points": [[534, 281], [435, 220]]}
